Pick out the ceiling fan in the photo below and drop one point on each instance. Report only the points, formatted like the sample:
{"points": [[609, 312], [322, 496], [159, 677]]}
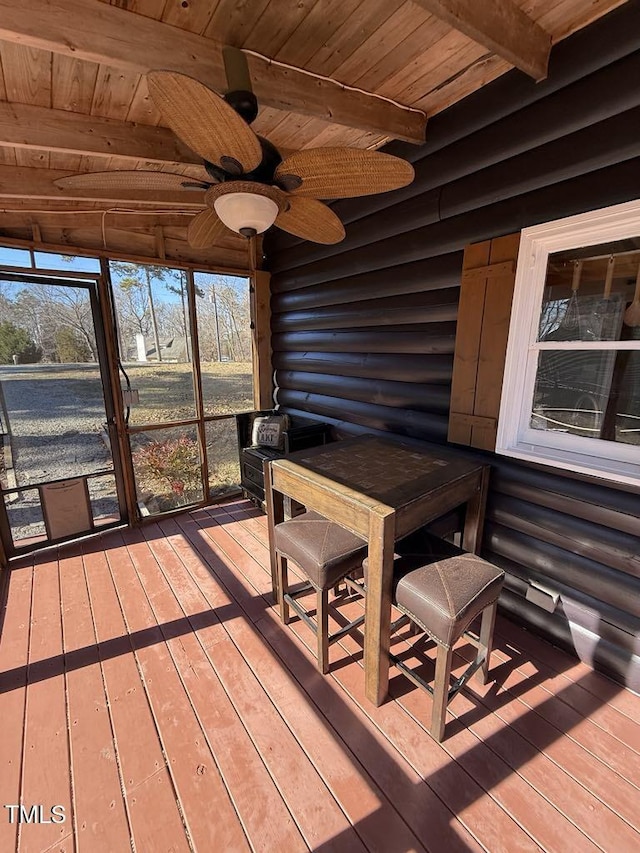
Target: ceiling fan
{"points": [[248, 186]]}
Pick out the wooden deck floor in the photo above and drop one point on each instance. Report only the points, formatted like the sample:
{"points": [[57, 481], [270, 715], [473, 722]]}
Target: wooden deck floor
{"points": [[149, 688]]}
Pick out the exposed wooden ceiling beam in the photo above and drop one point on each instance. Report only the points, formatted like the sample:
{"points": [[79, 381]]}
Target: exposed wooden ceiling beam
{"points": [[131, 246], [23, 182], [25, 126], [93, 219], [98, 32], [500, 26]]}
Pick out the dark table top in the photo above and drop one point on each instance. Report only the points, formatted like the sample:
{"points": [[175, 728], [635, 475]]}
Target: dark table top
{"points": [[387, 471]]}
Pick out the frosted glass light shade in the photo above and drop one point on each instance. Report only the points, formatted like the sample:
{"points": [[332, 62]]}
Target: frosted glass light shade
{"points": [[246, 210]]}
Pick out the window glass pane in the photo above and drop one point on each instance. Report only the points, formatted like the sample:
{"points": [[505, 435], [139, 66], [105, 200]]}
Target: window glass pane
{"points": [[49, 261], [152, 314], [104, 500], [224, 338], [594, 394], [51, 394], [167, 468], [15, 257], [26, 520], [586, 293], [222, 456]]}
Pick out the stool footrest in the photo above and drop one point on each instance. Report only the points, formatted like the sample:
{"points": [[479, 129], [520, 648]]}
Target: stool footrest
{"points": [[304, 589], [454, 688], [399, 622], [308, 620]]}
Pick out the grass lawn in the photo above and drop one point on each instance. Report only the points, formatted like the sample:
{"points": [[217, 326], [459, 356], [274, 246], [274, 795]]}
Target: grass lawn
{"points": [[167, 394], [62, 397]]}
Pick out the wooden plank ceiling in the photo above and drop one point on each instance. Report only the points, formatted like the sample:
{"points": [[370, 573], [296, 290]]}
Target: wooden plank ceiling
{"points": [[73, 93]]}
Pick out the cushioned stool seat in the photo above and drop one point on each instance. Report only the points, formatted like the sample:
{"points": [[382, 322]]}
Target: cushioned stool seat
{"points": [[445, 596], [441, 590], [324, 550], [326, 553]]}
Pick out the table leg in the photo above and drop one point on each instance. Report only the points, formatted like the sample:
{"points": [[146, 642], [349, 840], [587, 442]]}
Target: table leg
{"points": [[275, 514], [378, 604], [474, 516]]}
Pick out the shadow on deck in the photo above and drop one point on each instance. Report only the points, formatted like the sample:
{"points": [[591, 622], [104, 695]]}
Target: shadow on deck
{"points": [[148, 687]]}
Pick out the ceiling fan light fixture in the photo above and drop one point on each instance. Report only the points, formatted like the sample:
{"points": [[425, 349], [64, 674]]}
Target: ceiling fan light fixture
{"points": [[246, 207], [246, 211]]}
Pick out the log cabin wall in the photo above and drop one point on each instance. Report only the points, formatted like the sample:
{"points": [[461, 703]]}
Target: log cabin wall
{"points": [[363, 332]]}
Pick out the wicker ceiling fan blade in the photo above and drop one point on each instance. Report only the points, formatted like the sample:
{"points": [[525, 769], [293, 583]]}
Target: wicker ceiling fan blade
{"points": [[205, 121], [311, 220], [342, 173], [134, 179], [205, 229]]}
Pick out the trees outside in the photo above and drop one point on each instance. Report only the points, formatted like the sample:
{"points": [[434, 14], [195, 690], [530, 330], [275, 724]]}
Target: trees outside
{"points": [[224, 328], [28, 310], [142, 311], [178, 317], [152, 302], [70, 308], [43, 310], [71, 347], [15, 341]]}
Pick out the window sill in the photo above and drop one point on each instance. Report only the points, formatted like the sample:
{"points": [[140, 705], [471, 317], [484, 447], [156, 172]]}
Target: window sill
{"points": [[614, 473]]}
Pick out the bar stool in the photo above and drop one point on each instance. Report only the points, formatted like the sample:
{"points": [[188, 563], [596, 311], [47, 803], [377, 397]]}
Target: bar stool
{"points": [[441, 590], [325, 553]]}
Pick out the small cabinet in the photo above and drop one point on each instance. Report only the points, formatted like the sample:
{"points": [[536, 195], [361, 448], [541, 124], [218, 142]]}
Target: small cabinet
{"points": [[300, 434]]}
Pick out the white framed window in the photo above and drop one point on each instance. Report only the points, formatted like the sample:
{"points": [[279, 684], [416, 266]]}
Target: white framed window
{"points": [[571, 390]]}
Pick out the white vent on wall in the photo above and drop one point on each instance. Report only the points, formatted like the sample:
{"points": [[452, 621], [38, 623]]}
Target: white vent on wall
{"points": [[542, 597]]}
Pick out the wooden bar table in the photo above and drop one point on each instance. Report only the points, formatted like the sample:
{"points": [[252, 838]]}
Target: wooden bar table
{"points": [[382, 490]]}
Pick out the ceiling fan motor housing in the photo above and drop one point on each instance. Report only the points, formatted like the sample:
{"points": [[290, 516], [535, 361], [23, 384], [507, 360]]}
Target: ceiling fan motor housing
{"points": [[232, 170], [244, 103]]}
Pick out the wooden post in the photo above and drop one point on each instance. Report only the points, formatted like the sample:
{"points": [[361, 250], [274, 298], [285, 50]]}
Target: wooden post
{"points": [[261, 339]]}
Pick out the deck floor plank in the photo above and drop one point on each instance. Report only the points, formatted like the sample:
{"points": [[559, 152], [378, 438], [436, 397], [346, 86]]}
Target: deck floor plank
{"points": [[221, 533], [265, 818], [147, 683], [534, 750], [512, 791], [14, 653], [101, 822], [155, 819], [429, 819], [46, 783], [302, 787], [421, 807], [532, 689], [585, 752], [357, 791], [493, 827], [592, 694], [568, 761], [196, 777]]}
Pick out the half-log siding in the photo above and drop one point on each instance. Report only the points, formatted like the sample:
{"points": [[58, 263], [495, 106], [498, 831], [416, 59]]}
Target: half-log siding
{"points": [[364, 331]]}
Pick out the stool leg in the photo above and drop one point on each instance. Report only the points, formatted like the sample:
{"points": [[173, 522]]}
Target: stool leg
{"points": [[486, 640], [441, 692], [282, 584], [322, 622]]}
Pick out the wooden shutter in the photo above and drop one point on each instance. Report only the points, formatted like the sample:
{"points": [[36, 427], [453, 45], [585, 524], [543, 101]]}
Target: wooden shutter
{"points": [[484, 312]]}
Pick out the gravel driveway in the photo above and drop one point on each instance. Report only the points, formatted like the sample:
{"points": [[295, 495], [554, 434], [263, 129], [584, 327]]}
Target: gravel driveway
{"points": [[55, 414]]}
